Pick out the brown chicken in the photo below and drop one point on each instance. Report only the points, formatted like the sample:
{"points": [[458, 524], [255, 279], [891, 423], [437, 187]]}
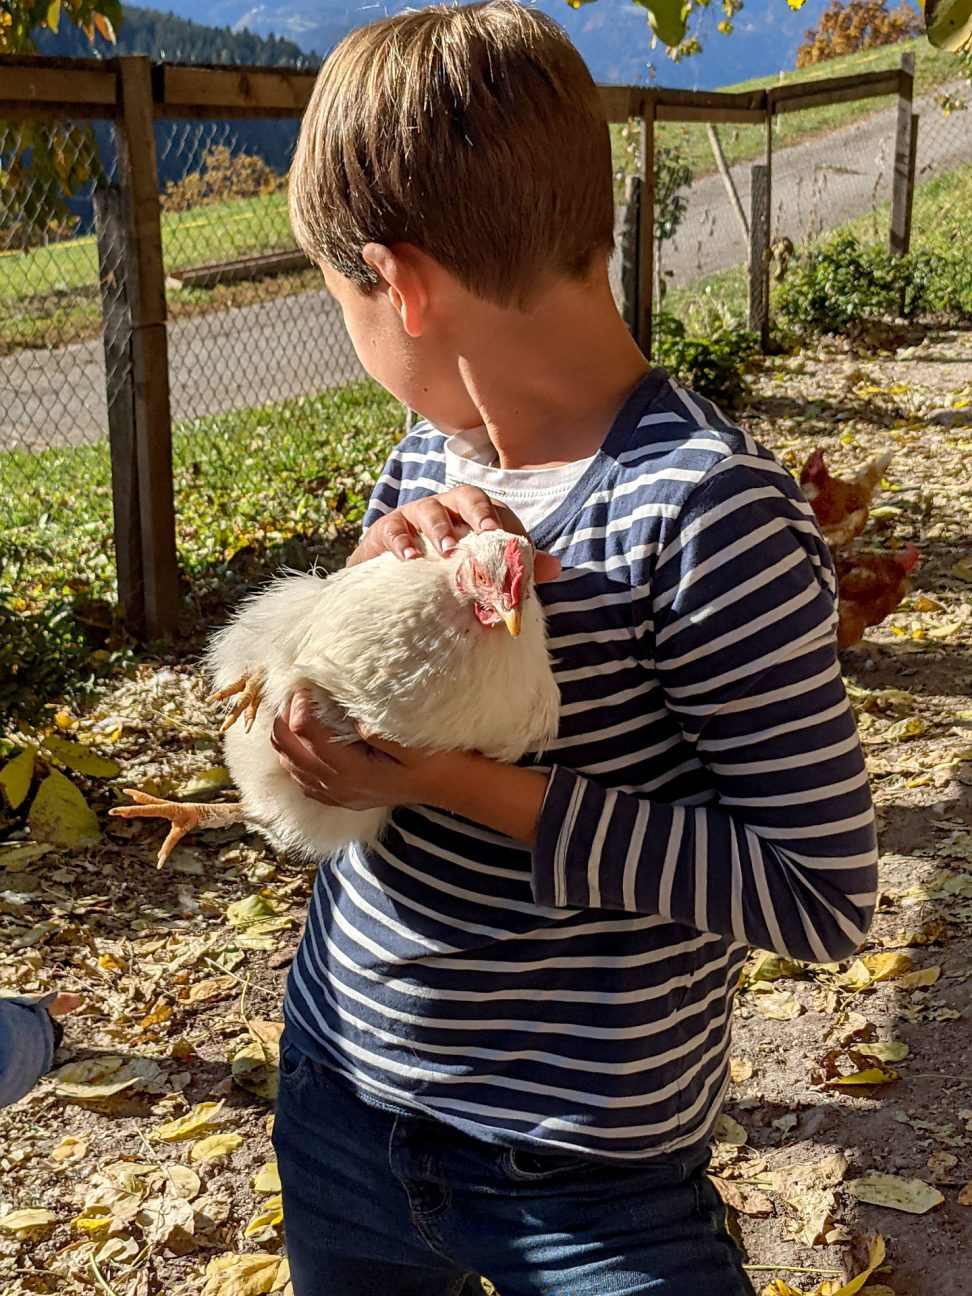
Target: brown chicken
{"points": [[869, 588], [840, 506]]}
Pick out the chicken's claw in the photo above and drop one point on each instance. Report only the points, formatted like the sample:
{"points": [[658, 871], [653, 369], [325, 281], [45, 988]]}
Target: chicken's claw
{"points": [[251, 688], [185, 816]]}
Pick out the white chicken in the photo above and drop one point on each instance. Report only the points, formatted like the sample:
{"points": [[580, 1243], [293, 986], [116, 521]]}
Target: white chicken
{"points": [[408, 650]]}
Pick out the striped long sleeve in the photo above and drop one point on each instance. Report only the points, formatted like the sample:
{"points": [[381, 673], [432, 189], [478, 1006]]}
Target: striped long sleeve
{"points": [[706, 792], [739, 619]]}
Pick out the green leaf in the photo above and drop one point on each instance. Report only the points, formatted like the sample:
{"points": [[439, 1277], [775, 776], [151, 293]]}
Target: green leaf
{"points": [[16, 776], [53, 14], [949, 24], [76, 756], [667, 20], [61, 815]]}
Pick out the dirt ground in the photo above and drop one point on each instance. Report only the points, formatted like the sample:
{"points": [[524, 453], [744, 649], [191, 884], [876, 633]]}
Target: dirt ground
{"points": [[181, 991]]}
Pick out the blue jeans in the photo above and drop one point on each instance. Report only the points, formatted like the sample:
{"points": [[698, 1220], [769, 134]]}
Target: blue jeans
{"points": [[379, 1202]]}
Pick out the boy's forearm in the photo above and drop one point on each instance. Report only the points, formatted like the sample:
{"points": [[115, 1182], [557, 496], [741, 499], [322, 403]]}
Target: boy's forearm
{"points": [[505, 798]]}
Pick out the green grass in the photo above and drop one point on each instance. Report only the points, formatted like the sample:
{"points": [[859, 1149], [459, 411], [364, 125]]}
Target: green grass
{"points": [[218, 232], [255, 489]]}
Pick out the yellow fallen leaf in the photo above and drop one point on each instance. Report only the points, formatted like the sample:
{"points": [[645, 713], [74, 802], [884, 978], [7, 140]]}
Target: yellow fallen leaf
{"points": [[869, 1076], [80, 758], [61, 815], [283, 1276], [924, 977], [208, 780], [70, 1149], [23, 853], [182, 1182], [263, 1224], [267, 1179], [742, 1197], [215, 1147], [884, 1050], [94, 1221], [780, 1288], [16, 777], [198, 1121], [740, 1069], [945, 631], [242, 1275], [902, 730], [965, 1196], [729, 1131], [876, 1254], [208, 988], [857, 977], [886, 967], [26, 1221], [778, 1006], [911, 1195]]}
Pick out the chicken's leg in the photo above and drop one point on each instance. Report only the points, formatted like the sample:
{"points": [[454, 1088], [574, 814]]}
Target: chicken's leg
{"points": [[186, 816], [251, 688]]}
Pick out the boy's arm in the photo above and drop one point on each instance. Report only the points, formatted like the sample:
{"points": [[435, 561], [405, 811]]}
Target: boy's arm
{"points": [[783, 856]]}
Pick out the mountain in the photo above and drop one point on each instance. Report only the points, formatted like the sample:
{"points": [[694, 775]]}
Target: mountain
{"points": [[612, 35]]}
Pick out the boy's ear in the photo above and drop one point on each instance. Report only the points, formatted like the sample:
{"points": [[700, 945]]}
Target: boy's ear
{"points": [[402, 276]]}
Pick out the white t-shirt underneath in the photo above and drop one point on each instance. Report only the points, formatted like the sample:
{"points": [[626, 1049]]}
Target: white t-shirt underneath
{"points": [[532, 493]]}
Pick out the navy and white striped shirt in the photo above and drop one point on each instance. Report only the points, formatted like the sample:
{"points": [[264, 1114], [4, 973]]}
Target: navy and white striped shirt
{"points": [[707, 793]]}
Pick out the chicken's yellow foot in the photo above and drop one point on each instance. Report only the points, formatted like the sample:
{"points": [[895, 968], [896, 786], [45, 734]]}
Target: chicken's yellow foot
{"points": [[185, 816], [251, 688]]}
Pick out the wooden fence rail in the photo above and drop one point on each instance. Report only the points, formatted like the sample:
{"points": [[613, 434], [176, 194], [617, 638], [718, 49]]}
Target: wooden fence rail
{"points": [[133, 93]]}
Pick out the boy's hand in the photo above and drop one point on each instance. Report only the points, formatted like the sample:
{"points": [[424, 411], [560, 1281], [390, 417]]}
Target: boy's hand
{"points": [[356, 775], [443, 519]]}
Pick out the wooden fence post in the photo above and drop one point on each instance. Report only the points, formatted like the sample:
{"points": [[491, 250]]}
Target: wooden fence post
{"points": [[630, 241], [120, 392], [646, 227], [146, 297], [905, 142], [759, 221]]}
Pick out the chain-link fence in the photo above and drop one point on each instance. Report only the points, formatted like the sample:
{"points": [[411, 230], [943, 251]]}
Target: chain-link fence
{"points": [[276, 434], [832, 170]]}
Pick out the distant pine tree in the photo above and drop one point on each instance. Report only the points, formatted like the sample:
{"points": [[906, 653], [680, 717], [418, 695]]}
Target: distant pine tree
{"points": [[182, 146], [177, 40]]}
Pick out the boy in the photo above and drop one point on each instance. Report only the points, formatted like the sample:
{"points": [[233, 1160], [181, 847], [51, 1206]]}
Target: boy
{"points": [[508, 1023]]}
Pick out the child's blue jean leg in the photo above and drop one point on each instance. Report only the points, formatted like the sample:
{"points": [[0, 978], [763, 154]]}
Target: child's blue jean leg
{"points": [[380, 1203]]}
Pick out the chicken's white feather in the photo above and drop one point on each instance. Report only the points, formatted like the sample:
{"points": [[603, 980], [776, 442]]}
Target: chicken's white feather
{"points": [[395, 647]]}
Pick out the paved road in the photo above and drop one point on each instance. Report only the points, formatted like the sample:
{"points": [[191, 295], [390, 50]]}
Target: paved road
{"points": [[296, 346], [286, 347]]}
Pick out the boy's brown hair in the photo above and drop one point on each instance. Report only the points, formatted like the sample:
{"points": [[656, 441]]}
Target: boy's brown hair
{"points": [[473, 132]]}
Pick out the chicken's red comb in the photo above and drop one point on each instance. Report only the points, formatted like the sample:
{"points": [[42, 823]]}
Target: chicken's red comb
{"points": [[513, 582], [907, 560], [814, 467]]}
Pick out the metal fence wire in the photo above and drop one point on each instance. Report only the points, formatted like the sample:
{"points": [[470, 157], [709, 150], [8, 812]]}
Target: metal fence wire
{"points": [[825, 180]]}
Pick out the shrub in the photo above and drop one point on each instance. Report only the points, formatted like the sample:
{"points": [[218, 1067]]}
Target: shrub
{"points": [[222, 175], [842, 282], [714, 366]]}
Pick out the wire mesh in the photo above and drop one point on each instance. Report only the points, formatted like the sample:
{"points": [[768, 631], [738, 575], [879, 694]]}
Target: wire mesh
{"points": [[56, 552], [276, 430], [832, 171]]}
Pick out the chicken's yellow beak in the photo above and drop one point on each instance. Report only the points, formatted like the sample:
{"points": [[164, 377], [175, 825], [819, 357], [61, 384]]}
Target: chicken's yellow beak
{"points": [[511, 620]]}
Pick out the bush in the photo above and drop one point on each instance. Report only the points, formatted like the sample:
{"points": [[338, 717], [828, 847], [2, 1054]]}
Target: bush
{"points": [[222, 175], [714, 366], [842, 282]]}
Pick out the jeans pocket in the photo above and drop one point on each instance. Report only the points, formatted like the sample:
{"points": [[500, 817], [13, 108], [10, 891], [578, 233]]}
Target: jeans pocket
{"points": [[294, 1065], [523, 1165]]}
